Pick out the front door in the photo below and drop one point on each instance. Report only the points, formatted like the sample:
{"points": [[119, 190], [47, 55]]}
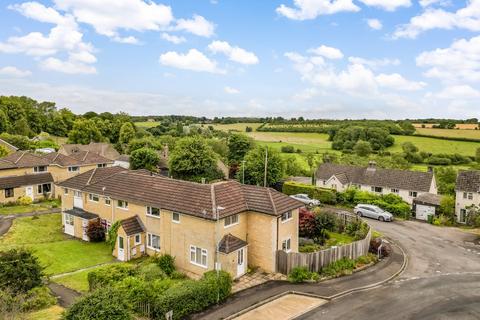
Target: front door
{"points": [[29, 192], [241, 263], [84, 228], [77, 199], [68, 220], [121, 249]]}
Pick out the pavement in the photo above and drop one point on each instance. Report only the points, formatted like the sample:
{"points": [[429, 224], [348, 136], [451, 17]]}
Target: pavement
{"points": [[441, 280], [5, 224], [66, 296], [247, 299]]}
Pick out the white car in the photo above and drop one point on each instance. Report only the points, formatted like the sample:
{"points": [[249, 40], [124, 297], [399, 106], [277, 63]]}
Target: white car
{"points": [[302, 197], [371, 211]]}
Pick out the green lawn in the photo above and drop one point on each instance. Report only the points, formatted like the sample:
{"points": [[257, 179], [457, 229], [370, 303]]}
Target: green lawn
{"points": [[57, 252], [456, 133], [52, 313], [235, 126], [147, 124], [76, 281], [436, 145], [338, 239], [35, 207]]}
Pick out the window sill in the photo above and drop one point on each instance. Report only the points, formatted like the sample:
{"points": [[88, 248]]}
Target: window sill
{"points": [[177, 222], [152, 216], [230, 225], [125, 209], [154, 249], [285, 221], [199, 265]]}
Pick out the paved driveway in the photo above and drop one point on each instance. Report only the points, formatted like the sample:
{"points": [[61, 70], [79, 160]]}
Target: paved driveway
{"points": [[441, 281]]}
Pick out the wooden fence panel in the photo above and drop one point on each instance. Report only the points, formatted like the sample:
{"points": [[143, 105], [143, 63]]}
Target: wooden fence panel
{"points": [[315, 261]]}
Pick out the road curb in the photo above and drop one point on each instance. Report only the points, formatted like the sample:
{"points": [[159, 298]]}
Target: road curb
{"points": [[329, 298]]}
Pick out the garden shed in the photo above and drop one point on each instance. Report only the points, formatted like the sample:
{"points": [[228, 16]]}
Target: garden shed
{"points": [[426, 204]]}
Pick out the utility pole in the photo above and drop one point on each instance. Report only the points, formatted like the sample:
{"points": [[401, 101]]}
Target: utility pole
{"points": [[266, 165]]}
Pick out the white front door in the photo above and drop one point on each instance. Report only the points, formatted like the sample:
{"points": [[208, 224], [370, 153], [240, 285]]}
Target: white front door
{"points": [[241, 263], [68, 222], [77, 199], [121, 249], [29, 192], [84, 228]]}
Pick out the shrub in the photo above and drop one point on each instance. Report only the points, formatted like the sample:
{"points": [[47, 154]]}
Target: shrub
{"points": [[288, 149], [326, 196], [385, 250], [307, 248], [166, 262], [337, 268], [112, 234], [109, 274], [95, 231], [38, 298], [20, 270], [306, 224], [24, 201], [151, 271], [301, 274], [104, 303], [439, 161], [366, 259]]}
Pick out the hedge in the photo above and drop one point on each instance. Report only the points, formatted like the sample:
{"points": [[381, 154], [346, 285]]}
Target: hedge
{"points": [[327, 196], [192, 296], [109, 275]]}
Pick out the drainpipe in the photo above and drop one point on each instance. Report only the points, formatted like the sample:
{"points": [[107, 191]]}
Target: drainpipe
{"points": [[276, 244]]}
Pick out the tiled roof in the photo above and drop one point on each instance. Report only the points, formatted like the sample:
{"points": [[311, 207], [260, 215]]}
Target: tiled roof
{"points": [[88, 157], [468, 181], [61, 159], [428, 198], [22, 159], [230, 243], [390, 178], [25, 180], [132, 225], [102, 148], [81, 213], [202, 200]]}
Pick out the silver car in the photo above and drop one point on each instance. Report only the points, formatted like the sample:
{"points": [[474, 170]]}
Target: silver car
{"points": [[302, 197], [371, 211]]}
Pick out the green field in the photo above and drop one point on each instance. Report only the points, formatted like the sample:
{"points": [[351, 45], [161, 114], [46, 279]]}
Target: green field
{"points": [[436, 145], [57, 252], [455, 133], [34, 207], [236, 126], [147, 124]]}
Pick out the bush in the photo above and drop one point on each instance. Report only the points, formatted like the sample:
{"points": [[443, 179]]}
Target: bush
{"points": [[166, 262], [385, 251], [95, 231], [38, 298], [192, 296], [20, 270], [24, 201], [326, 196], [112, 234], [366, 259], [104, 303], [340, 267], [108, 275], [439, 161], [301, 274], [288, 149], [151, 271]]}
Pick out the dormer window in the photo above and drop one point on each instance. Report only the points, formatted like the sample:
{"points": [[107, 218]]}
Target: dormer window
{"points": [[40, 169], [73, 169]]}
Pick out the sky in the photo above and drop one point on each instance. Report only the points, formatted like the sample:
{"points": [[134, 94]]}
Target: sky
{"points": [[379, 59]]}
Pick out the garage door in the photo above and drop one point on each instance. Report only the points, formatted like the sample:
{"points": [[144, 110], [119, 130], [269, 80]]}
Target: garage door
{"points": [[423, 212]]}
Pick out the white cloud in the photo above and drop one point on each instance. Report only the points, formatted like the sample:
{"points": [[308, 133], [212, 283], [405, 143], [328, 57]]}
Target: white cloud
{"points": [[172, 38], [443, 3], [398, 82], [198, 26], [375, 63], [458, 92], [459, 62], [127, 40], [389, 5], [231, 90], [193, 60], [64, 37], [235, 54], [310, 9], [108, 17], [70, 66], [327, 52], [466, 18], [375, 24], [14, 72]]}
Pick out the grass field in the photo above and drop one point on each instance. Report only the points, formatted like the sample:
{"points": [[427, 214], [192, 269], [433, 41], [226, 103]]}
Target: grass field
{"points": [[455, 133], [35, 207], [436, 145], [147, 124], [236, 126], [57, 252], [76, 281], [52, 313]]}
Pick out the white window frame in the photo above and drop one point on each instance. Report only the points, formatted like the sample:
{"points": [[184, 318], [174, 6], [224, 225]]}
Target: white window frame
{"points": [[149, 212], [139, 239], [374, 189], [395, 190], [287, 245], [69, 219], [413, 194], [37, 169], [231, 221], [109, 201], [73, 169], [173, 217], [92, 196], [125, 204], [286, 216], [150, 241], [40, 188], [194, 257]]}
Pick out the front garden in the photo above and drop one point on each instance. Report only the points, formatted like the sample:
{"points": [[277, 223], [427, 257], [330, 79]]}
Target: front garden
{"points": [[25, 205]]}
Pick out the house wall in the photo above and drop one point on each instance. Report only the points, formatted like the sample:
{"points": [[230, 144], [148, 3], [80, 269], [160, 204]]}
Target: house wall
{"points": [[132, 250], [17, 172], [17, 193], [404, 194], [289, 229], [461, 203], [262, 236], [332, 183]]}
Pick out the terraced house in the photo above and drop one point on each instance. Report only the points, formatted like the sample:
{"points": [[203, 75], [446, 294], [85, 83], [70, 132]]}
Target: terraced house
{"points": [[225, 224], [467, 191], [24, 173], [404, 183]]}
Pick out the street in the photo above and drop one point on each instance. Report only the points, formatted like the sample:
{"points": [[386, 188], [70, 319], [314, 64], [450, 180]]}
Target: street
{"points": [[441, 281]]}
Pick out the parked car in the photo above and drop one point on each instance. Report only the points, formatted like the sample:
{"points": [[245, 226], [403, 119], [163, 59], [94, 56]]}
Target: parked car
{"points": [[306, 199], [371, 211]]}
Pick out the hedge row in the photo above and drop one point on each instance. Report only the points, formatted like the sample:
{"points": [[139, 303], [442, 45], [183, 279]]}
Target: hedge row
{"points": [[448, 138], [326, 196]]}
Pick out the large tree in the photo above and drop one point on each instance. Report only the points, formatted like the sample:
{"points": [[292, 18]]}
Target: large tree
{"points": [[20, 270], [254, 166], [193, 159], [84, 131], [238, 146], [144, 158], [127, 133]]}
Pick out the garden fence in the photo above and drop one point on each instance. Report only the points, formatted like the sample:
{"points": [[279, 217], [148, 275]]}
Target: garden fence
{"points": [[315, 261]]}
